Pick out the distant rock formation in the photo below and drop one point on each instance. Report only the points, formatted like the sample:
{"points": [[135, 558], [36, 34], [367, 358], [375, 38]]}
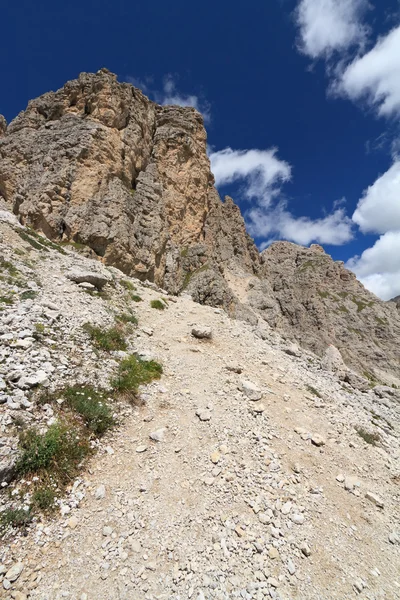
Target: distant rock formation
{"points": [[98, 164]]}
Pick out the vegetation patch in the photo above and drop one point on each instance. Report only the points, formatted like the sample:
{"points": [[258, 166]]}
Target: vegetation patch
{"points": [[8, 300], [106, 339], [158, 304], [322, 294], [381, 321], [91, 404], [126, 318], [135, 298], [128, 285], [134, 372], [371, 438], [14, 517], [43, 498], [313, 391], [5, 265], [189, 275], [343, 309], [56, 452], [29, 295], [360, 304]]}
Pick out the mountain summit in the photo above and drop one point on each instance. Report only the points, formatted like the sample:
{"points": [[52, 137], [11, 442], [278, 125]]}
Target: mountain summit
{"points": [[100, 166]]}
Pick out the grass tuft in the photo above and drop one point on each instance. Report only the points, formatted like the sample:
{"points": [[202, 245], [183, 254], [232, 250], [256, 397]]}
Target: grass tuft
{"points": [[28, 295], [57, 451], [134, 372], [136, 298], [8, 300], [313, 391], [158, 304], [105, 339], [91, 405], [367, 436], [128, 285], [43, 498], [14, 517], [126, 318]]}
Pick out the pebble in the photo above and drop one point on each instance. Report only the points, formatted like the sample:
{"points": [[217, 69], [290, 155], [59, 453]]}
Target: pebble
{"points": [[158, 435], [215, 457], [375, 499], [15, 571], [141, 449], [251, 390], [72, 522], [318, 440], [100, 492]]}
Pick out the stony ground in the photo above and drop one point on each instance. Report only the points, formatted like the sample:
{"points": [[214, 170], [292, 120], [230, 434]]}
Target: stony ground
{"points": [[241, 476]]}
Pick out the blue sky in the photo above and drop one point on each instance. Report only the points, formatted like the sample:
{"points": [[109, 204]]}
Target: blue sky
{"points": [[301, 98]]}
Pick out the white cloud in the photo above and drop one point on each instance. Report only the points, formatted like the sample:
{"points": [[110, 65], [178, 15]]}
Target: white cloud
{"points": [[327, 26], [378, 268], [378, 211], [262, 172], [376, 76], [262, 175], [335, 228]]}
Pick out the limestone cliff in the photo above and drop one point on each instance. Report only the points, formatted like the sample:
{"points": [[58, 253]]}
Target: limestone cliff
{"points": [[99, 165]]}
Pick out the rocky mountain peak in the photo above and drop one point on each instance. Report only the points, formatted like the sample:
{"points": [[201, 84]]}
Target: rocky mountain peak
{"points": [[98, 166]]}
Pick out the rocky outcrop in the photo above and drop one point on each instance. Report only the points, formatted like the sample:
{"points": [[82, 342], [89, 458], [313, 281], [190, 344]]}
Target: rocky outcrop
{"points": [[323, 303], [98, 165], [396, 300]]}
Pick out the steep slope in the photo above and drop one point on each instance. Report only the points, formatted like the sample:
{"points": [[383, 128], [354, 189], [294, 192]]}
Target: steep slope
{"points": [[98, 165], [244, 472]]}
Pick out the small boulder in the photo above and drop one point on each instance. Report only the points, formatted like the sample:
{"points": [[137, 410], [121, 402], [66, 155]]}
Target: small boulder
{"points": [[318, 440], [15, 571], [99, 280], [332, 360], [252, 391], [202, 332]]}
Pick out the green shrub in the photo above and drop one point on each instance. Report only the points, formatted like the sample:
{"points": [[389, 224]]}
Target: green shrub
{"points": [[91, 405], [28, 295], [7, 300], [57, 452], [14, 517], [106, 339], [43, 498], [126, 318], [367, 436], [8, 266], [133, 372], [136, 298], [158, 304], [313, 391], [128, 285]]}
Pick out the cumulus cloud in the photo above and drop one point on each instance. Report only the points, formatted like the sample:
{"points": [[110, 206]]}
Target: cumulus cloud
{"points": [[375, 76], [262, 175], [378, 267], [334, 228], [261, 171], [326, 26], [378, 211]]}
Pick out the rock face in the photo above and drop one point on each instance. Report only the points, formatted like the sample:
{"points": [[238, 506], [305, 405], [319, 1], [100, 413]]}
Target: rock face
{"points": [[396, 300], [323, 303], [98, 164]]}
